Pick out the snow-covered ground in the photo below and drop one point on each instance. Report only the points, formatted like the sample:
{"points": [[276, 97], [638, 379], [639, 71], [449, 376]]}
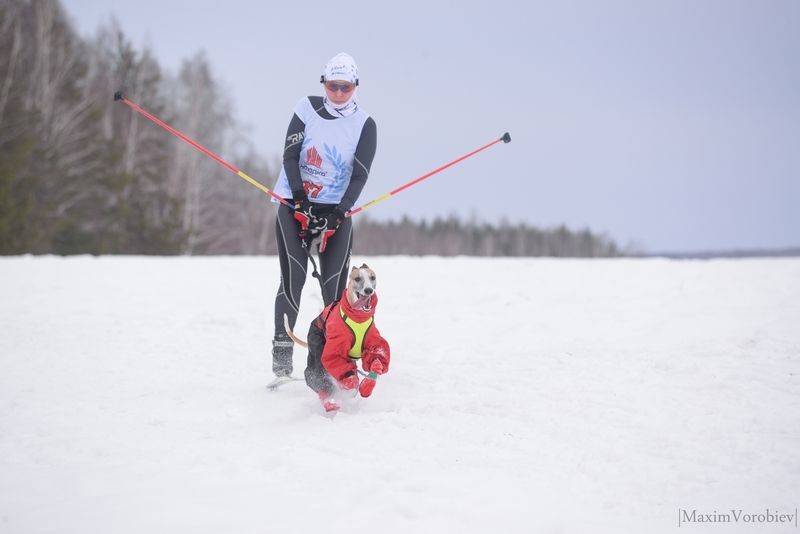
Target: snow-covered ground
{"points": [[531, 395]]}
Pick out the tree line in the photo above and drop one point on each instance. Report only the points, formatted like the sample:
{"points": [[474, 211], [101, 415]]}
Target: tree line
{"points": [[82, 174], [453, 237]]}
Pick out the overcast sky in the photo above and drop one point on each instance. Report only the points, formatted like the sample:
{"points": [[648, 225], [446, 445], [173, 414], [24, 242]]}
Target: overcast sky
{"points": [[671, 124]]}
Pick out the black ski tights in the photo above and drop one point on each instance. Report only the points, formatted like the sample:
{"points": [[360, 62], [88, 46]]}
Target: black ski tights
{"points": [[333, 263]]}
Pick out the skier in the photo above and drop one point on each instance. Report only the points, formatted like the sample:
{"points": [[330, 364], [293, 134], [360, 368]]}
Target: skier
{"points": [[329, 148]]}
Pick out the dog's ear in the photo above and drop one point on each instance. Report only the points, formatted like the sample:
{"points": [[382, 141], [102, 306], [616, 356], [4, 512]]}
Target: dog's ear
{"points": [[353, 272], [364, 266]]}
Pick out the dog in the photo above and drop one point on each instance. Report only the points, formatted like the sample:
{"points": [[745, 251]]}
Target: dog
{"points": [[361, 284], [343, 334]]}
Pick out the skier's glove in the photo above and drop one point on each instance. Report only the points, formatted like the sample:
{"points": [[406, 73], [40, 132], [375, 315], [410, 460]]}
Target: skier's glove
{"points": [[349, 382], [332, 222], [368, 384], [302, 214]]}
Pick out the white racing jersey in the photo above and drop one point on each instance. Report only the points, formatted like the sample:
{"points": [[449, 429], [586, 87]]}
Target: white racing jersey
{"points": [[327, 155]]}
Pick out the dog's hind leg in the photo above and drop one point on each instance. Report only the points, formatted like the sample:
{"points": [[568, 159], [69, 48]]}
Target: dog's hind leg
{"points": [[316, 376]]}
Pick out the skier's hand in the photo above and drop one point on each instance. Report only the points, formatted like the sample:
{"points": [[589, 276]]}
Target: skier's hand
{"points": [[334, 219], [332, 222], [302, 214], [349, 382]]}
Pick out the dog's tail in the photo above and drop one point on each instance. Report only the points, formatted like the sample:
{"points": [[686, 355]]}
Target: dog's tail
{"points": [[291, 334]]}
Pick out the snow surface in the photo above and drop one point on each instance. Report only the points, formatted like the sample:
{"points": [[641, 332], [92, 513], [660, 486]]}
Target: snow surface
{"points": [[525, 395]]}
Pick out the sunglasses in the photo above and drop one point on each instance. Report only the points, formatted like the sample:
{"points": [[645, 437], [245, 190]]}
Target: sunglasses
{"points": [[341, 87]]}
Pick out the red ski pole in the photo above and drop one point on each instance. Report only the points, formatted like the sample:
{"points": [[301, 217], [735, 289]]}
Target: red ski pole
{"points": [[119, 97], [506, 138]]}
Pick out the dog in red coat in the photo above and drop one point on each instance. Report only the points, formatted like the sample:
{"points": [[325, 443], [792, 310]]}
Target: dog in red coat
{"points": [[343, 335]]}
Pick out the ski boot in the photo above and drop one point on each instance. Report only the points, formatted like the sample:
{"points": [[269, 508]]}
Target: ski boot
{"points": [[282, 348]]}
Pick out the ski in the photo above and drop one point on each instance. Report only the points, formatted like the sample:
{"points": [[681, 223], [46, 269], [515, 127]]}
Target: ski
{"points": [[281, 380]]}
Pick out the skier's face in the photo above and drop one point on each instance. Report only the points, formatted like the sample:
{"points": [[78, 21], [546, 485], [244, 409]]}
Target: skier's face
{"points": [[339, 92]]}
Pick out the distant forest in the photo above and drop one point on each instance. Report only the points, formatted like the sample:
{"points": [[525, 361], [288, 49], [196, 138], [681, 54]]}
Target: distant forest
{"points": [[82, 174]]}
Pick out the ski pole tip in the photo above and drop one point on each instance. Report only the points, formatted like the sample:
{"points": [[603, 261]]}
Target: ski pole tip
{"points": [[118, 96], [506, 137]]}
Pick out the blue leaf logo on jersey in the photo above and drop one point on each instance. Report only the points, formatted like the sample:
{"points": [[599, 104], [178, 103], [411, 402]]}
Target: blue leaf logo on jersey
{"points": [[343, 169]]}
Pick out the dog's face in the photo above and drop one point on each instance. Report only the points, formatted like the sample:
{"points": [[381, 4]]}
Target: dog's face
{"points": [[360, 287]]}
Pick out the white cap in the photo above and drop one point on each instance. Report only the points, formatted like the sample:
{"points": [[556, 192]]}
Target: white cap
{"points": [[341, 67]]}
